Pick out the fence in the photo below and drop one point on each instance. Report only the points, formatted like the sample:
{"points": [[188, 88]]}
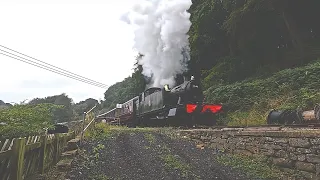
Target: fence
{"points": [[22, 157], [88, 122], [26, 156]]}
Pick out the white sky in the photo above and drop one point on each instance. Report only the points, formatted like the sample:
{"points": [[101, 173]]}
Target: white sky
{"points": [[85, 37]]}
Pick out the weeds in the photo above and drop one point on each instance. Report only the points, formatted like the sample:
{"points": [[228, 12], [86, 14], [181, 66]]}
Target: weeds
{"points": [[173, 162], [97, 149], [149, 137], [255, 166]]}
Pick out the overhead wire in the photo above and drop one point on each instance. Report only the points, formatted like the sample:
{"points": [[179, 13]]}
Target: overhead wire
{"points": [[60, 72], [52, 65], [54, 71]]}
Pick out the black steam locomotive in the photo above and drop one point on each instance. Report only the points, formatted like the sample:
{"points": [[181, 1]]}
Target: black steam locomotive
{"points": [[181, 105]]}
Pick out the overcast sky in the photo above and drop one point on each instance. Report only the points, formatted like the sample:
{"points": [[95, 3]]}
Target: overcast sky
{"points": [[85, 37]]}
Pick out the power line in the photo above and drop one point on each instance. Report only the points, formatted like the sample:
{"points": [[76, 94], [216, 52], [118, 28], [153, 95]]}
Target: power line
{"points": [[55, 71], [106, 86]]}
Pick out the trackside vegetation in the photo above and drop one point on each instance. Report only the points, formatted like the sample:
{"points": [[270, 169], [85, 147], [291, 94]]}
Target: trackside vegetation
{"points": [[251, 100], [26, 120]]}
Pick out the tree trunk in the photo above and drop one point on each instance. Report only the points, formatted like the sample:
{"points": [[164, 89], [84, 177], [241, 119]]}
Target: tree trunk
{"points": [[293, 31]]}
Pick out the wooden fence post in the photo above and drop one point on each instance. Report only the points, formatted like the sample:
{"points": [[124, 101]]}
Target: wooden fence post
{"points": [[83, 126], [56, 149], [18, 150], [43, 149]]}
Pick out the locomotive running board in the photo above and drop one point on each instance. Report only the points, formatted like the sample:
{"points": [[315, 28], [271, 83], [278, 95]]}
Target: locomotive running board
{"points": [[159, 117]]}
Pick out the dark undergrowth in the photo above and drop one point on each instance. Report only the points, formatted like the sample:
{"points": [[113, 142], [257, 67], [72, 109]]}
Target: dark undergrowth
{"points": [[250, 101]]}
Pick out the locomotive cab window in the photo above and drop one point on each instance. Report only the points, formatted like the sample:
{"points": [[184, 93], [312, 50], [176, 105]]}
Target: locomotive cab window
{"points": [[151, 91]]}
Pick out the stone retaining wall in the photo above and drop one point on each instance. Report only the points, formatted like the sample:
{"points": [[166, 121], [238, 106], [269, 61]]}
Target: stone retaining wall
{"points": [[295, 150]]}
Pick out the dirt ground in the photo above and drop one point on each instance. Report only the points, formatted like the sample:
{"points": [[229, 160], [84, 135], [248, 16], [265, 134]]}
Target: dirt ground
{"points": [[131, 153], [150, 156]]}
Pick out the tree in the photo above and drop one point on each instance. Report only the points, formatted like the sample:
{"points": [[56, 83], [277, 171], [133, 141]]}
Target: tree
{"points": [[62, 115], [25, 120]]}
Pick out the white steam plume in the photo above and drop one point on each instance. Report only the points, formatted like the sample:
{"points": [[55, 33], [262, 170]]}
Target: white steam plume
{"points": [[161, 28]]}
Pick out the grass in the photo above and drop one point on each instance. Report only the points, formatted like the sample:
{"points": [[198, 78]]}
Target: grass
{"points": [[149, 137], [254, 166], [173, 162]]}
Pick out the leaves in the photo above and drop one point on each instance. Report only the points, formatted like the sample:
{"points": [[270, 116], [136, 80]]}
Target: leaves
{"points": [[25, 120]]}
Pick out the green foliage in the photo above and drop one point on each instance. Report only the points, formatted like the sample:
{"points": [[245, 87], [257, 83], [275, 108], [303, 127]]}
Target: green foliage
{"points": [[255, 166], [100, 132], [84, 106], [173, 162], [64, 114], [251, 100], [25, 120]]}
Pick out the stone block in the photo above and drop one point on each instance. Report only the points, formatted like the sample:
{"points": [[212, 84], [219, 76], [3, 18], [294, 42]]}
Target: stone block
{"points": [[313, 158], [267, 152], [64, 165], [298, 142], [308, 175], [303, 151], [69, 154], [283, 162], [281, 153], [309, 167], [272, 146], [301, 157], [281, 140], [293, 156], [315, 141], [318, 170], [73, 144]]}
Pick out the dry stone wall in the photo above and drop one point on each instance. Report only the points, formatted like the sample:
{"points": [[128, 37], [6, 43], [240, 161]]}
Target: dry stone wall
{"points": [[289, 150]]}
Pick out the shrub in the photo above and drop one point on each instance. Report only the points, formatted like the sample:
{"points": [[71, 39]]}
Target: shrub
{"points": [[253, 99], [26, 120]]}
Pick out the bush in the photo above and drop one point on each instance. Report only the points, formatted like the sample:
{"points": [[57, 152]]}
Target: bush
{"points": [[253, 99], [26, 120]]}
